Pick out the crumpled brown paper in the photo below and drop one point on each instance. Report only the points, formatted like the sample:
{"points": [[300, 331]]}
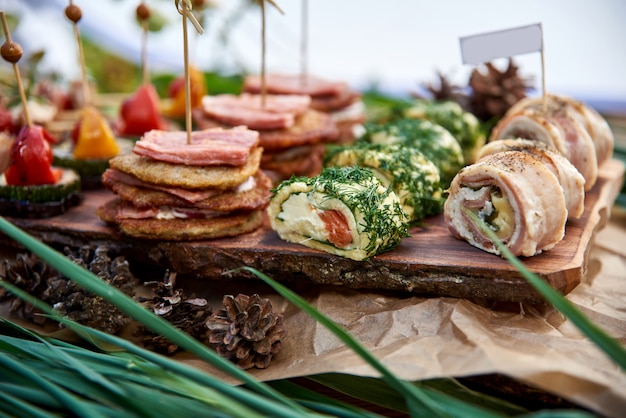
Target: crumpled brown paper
{"points": [[419, 338]]}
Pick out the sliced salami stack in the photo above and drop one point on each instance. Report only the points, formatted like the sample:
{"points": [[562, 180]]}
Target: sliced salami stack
{"points": [[291, 133], [336, 98]]}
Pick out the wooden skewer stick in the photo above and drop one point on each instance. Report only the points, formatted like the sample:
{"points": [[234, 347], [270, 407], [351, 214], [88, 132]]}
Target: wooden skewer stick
{"points": [[304, 42], [16, 69], [74, 14], [543, 83], [144, 42], [263, 86], [185, 10]]}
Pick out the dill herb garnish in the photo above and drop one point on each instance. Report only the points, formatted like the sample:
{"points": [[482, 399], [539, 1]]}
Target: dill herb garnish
{"points": [[381, 221], [412, 176]]}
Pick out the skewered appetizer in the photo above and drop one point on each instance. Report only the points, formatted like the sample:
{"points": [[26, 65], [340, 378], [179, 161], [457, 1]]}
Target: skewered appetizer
{"points": [[433, 140], [92, 140], [31, 187], [344, 211], [171, 189], [140, 113], [90, 148], [574, 129], [293, 135], [335, 98], [463, 126], [410, 174]]}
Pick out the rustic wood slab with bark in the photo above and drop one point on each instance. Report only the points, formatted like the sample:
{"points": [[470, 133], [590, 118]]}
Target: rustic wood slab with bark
{"points": [[430, 262]]}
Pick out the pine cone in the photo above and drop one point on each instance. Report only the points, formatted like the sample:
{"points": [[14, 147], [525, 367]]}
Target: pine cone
{"points": [[495, 92], [445, 91], [30, 274], [187, 314], [43, 282], [246, 331], [83, 307]]}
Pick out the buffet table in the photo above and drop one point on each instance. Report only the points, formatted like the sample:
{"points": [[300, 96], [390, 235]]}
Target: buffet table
{"points": [[429, 337], [422, 337]]}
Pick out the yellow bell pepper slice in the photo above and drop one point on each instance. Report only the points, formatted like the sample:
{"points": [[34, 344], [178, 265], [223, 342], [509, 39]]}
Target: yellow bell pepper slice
{"points": [[95, 138]]}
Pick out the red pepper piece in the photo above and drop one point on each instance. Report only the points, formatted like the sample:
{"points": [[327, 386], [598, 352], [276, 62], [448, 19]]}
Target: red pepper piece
{"points": [[140, 113], [31, 158]]}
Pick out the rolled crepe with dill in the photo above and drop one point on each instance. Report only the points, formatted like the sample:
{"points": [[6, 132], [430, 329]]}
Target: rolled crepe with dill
{"points": [[556, 128], [433, 140], [412, 176], [570, 179], [344, 211], [516, 196], [463, 125]]}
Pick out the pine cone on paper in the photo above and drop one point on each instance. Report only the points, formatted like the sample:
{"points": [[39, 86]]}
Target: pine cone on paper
{"points": [[36, 277], [186, 314], [32, 275], [246, 331], [494, 91]]}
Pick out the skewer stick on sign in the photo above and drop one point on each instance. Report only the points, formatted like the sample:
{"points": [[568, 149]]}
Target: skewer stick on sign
{"points": [[484, 47]]}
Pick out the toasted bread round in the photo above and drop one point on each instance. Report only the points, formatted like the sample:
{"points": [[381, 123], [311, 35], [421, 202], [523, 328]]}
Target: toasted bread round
{"points": [[192, 177], [182, 229], [226, 201]]}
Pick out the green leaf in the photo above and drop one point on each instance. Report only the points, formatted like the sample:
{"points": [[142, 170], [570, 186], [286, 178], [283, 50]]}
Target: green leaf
{"points": [[256, 402], [610, 346], [420, 402], [80, 407], [127, 305], [13, 406]]}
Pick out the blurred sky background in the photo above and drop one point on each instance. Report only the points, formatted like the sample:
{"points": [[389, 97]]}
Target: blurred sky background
{"points": [[398, 44]]}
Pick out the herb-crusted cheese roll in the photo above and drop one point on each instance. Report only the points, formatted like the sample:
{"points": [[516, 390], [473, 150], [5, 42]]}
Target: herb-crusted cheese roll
{"points": [[344, 211], [433, 140], [412, 176], [463, 125], [516, 195]]}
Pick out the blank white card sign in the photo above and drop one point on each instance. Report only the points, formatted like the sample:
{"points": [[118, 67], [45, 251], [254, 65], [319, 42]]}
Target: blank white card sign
{"points": [[484, 47]]}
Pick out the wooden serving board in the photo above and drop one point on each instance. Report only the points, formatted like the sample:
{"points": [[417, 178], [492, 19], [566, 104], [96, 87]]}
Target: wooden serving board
{"points": [[430, 262]]}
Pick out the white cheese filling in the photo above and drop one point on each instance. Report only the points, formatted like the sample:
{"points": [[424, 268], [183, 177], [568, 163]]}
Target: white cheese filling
{"points": [[301, 217], [168, 213], [247, 185], [300, 213]]}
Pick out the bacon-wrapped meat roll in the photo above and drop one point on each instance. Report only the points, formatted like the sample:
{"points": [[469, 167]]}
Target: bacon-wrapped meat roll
{"points": [[572, 182], [344, 211], [557, 128], [516, 195], [597, 127]]}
